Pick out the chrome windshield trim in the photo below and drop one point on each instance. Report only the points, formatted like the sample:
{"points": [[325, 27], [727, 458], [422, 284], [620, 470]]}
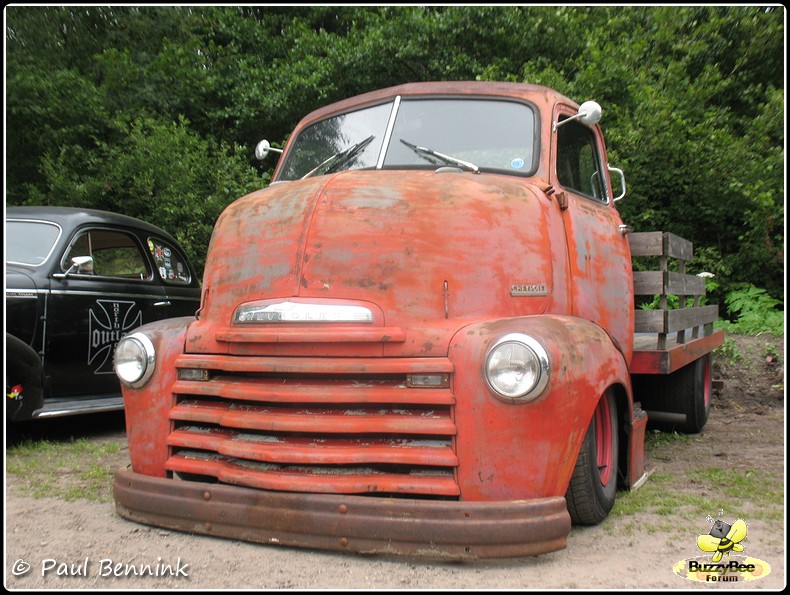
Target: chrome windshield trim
{"points": [[388, 134]]}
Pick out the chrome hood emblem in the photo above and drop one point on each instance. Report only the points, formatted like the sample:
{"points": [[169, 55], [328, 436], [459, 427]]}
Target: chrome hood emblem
{"points": [[292, 312]]}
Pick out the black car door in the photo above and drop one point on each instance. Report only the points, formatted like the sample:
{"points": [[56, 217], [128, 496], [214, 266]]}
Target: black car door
{"points": [[92, 305], [176, 273]]}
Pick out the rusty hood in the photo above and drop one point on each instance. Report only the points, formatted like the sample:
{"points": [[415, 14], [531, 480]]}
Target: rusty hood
{"points": [[425, 252]]}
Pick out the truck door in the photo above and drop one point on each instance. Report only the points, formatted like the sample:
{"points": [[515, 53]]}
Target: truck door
{"points": [[600, 263], [90, 309]]}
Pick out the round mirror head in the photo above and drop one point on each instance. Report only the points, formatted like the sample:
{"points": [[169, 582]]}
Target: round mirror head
{"points": [[262, 150], [590, 112]]}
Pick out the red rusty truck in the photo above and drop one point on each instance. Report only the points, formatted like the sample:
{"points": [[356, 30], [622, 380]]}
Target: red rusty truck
{"points": [[421, 338]]}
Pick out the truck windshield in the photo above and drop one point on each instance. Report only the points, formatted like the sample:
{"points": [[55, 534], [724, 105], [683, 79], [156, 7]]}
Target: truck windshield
{"points": [[30, 242], [319, 145], [489, 134]]}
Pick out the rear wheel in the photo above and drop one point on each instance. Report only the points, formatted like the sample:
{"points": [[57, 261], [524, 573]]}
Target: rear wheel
{"points": [[685, 395], [593, 486], [698, 396]]}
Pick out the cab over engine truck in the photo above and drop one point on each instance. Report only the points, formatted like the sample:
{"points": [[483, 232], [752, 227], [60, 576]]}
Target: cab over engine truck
{"points": [[420, 339]]}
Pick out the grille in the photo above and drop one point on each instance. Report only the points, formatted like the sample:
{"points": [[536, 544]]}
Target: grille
{"points": [[289, 424]]}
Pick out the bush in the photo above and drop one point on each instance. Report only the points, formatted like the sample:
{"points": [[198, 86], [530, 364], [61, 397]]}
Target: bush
{"points": [[754, 311]]}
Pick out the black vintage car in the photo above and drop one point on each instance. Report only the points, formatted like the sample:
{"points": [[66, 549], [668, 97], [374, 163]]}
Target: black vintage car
{"points": [[77, 280]]}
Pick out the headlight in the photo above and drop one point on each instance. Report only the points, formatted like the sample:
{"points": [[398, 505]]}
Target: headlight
{"points": [[134, 360], [517, 367]]}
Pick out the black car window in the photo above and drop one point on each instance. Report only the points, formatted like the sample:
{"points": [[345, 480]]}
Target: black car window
{"points": [[114, 253], [30, 242], [170, 263]]}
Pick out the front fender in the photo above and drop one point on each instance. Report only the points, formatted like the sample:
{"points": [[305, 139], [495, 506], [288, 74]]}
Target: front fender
{"points": [[24, 388], [148, 408], [513, 451]]}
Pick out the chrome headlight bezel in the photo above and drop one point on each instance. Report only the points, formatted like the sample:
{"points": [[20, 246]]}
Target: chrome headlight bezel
{"points": [[134, 360], [530, 373]]}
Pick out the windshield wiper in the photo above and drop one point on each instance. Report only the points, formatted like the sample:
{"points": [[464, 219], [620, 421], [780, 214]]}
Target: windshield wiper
{"points": [[422, 151], [341, 158]]}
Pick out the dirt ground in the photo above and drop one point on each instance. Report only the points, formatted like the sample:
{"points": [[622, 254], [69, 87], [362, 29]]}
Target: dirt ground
{"points": [[54, 544]]}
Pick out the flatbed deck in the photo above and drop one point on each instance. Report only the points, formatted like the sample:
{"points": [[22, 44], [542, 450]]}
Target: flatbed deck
{"points": [[650, 359]]}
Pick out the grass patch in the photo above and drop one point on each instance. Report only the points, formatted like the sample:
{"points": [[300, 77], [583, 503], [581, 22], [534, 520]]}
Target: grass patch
{"points": [[702, 492], [762, 489], [657, 438], [74, 470]]}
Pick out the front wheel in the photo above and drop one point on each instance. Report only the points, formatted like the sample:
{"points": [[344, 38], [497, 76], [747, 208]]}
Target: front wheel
{"points": [[593, 486]]}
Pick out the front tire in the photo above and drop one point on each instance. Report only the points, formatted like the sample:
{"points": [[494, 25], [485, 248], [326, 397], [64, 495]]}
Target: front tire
{"points": [[593, 486]]}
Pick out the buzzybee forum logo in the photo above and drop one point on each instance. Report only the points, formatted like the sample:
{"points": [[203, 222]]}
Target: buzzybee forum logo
{"points": [[722, 565]]}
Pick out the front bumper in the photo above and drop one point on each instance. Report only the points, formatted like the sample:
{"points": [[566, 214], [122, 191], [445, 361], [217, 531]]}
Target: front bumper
{"points": [[361, 524]]}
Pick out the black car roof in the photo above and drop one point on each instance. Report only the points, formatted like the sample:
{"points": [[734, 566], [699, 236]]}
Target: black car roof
{"points": [[72, 217]]}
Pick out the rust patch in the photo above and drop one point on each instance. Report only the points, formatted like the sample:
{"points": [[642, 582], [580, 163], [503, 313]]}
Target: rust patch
{"points": [[426, 529]]}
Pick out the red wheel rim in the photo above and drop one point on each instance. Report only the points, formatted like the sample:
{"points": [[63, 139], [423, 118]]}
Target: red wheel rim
{"points": [[603, 440]]}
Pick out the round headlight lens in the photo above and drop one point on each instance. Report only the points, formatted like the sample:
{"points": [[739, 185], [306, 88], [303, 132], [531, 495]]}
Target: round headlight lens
{"points": [[134, 360], [517, 367]]}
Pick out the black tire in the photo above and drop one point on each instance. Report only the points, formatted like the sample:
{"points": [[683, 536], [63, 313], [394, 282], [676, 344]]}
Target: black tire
{"points": [[686, 392], [593, 486], [697, 407]]}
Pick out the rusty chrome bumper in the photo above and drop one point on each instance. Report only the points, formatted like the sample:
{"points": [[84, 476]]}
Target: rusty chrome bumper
{"points": [[370, 525]]}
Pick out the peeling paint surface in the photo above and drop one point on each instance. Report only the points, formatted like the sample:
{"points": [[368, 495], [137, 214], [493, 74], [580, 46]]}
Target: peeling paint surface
{"points": [[390, 238]]}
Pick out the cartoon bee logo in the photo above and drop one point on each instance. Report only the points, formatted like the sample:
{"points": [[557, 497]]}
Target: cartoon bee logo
{"points": [[723, 538]]}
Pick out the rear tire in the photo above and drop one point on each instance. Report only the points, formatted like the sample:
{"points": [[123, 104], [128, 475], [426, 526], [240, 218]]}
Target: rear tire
{"points": [[593, 486], [697, 404], [686, 392]]}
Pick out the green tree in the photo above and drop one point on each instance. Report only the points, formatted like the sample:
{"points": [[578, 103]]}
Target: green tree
{"points": [[127, 107]]}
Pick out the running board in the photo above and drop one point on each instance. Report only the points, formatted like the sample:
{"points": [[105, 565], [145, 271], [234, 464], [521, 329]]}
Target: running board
{"points": [[65, 407]]}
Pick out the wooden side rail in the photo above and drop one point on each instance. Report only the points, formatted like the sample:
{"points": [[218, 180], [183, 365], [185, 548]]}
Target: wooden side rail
{"points": [[664, 282]]}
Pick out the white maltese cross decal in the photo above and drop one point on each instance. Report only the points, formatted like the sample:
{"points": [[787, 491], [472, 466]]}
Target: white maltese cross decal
{"points": [[107, 324]]}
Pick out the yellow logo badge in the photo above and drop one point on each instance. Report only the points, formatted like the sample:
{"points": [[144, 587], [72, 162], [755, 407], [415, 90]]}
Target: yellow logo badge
{"points": [[722, 565]]}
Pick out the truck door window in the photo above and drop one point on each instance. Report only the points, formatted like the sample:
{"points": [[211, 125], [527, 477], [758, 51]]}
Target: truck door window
{"points": [[114, 253], [578, 161]]}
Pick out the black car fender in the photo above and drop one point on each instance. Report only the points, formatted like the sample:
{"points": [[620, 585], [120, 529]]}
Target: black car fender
{"points": [[24, 388]]}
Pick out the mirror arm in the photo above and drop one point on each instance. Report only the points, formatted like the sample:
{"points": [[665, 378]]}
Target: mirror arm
{"points": [[557, 123], [589, 112], [263, 148]]}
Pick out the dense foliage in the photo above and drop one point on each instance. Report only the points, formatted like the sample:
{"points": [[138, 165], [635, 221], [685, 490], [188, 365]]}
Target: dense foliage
{"points": [[153, 111]]}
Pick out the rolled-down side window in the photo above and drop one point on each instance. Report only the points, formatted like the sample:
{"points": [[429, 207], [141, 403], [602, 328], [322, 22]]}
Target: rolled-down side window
{"points": [[114, 253]]}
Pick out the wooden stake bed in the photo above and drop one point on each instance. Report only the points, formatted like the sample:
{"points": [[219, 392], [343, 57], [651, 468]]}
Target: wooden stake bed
{"points": [[668, 339]]}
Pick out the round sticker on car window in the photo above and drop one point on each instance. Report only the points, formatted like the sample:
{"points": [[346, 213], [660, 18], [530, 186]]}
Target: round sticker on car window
{"points": [[517, 163]]}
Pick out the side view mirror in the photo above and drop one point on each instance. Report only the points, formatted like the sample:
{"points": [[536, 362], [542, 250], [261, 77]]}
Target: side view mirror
{"points": [[79, 264], [589, 114], [263, 148]]}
